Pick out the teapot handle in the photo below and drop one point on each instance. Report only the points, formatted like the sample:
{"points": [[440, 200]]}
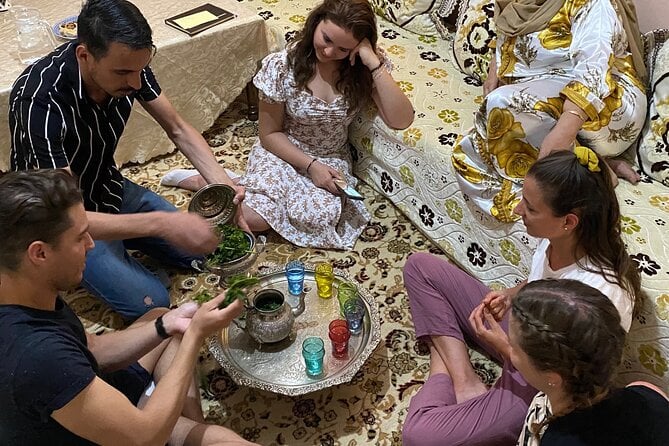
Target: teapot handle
{"points": [[299, 309]]}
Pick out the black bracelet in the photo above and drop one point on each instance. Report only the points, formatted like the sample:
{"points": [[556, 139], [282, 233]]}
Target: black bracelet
{"points": [[160, 328], [312, 161], [377, 67]]}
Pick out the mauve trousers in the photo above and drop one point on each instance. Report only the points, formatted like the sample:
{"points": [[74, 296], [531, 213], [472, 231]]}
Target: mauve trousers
{"points": [[442, 297]]}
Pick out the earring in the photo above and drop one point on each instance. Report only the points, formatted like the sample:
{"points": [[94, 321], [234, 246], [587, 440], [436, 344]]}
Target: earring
{"points": [[566, 228], [550, 384]]}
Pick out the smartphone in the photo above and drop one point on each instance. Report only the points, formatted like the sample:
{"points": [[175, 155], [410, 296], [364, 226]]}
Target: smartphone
{"points": [[347, 190]]}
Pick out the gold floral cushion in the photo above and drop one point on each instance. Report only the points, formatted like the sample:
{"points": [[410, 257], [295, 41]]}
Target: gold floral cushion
{"points": [[653, 150], [474, 35], [412, 15]]}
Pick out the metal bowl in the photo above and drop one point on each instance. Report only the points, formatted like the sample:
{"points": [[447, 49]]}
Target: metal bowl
{"points": [[243, 263], [214, 203]]}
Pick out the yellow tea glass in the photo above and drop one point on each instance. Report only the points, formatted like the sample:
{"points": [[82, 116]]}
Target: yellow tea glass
{"points": [[324, 275]]}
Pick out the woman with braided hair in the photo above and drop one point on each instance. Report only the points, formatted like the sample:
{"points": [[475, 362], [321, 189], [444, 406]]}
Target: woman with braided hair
{"points": [[569, 203], [566, 340]]}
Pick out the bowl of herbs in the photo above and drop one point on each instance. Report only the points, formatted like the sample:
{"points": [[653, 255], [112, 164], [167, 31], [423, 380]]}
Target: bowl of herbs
{"points": [[235, 253]]}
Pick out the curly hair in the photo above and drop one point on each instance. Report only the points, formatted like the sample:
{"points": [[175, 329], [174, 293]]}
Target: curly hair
{"points": [[355, 82], [571, 329], [569, 187], [34, 207]]}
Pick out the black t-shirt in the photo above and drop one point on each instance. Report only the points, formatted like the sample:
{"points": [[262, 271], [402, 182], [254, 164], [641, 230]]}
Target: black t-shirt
{"points": [[45, 363], [631, 416]]}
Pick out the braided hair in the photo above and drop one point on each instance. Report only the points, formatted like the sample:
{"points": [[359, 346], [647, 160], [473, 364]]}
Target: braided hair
{"points": [[571, 329], [570, 187]]}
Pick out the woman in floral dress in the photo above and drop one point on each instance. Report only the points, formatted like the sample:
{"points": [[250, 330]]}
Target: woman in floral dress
{"points": [[564, 70], [309, 94]]}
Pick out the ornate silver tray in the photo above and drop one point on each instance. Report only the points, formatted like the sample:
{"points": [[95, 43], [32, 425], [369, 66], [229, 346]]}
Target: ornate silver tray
{"points": [[280, 367]]}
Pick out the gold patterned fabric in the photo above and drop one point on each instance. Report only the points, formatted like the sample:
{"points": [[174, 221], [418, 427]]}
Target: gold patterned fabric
{"points": [[582, 56]]}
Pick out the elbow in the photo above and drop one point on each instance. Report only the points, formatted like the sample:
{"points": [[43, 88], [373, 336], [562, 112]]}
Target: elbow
{"points": [[401, 122], [175, 133]]}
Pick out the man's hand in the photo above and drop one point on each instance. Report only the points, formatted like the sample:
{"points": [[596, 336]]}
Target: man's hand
{"points": [[176, 321], [240, 193], [488, 330], [323, 176], [187, 231], [209, 319]]}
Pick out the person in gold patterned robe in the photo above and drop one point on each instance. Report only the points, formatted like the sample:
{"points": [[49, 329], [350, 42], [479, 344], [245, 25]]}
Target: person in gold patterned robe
{"points": [[564, 71]]}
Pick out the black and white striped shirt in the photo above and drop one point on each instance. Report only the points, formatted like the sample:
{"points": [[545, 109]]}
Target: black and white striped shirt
{"points": [[54, 124]]}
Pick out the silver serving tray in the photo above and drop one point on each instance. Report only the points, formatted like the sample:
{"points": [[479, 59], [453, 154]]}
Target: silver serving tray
{"points": [[279, 367]]}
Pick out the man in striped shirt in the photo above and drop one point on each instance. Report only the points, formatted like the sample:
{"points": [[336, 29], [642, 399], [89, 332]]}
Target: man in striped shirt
{"points": [[69, 109]]}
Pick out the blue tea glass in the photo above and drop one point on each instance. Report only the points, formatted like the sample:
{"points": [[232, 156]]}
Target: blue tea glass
{"points": [[295, 276], [313, 351], [354, 312]]}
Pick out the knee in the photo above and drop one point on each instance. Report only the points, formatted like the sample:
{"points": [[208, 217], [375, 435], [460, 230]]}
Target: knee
{"points": [[416, 264], [411, 434], [153, 303], [500, 97]]}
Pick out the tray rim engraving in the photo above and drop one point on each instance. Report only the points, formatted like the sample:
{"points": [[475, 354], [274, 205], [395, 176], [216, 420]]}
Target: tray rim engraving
{"points": [[217, 344]]}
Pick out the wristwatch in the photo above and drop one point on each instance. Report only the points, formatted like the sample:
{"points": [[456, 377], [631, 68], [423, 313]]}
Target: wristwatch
{"points": [[160, 328]]}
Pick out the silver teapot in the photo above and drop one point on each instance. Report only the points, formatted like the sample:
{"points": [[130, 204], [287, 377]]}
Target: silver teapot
{"points": [[269, 318]]}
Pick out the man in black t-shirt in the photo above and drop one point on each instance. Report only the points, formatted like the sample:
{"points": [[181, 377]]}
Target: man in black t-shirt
{"points": [[61, 386], [69, 109]]}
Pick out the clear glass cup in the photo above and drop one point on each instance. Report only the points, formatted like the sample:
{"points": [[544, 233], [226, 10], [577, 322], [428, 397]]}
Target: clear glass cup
{"points": [[324, 275], [346, 291], [339, 335], [354, 311], [34, 36], [313, 351], [295, 276]]}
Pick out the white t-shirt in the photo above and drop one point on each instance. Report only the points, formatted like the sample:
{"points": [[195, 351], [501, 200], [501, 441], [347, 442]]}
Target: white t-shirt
{"points": [[618, 296]]}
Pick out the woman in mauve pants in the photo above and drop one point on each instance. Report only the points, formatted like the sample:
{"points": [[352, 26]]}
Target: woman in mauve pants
{"points": [[447, 298]]}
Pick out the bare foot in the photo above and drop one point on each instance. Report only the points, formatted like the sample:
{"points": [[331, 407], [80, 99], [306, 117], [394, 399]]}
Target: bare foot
{"points": [[471, 390], [623, 170]]}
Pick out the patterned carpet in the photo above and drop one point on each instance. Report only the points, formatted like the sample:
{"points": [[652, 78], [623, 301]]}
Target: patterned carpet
{"points": [[371, 408]]}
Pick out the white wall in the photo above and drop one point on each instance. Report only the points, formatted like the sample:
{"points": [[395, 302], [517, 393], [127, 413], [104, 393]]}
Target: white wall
{"points": [[652, 14]]}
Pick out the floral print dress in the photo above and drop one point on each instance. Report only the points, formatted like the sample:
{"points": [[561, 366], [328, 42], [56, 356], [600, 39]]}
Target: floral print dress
{"points": [[286, 198], [582, 55]]}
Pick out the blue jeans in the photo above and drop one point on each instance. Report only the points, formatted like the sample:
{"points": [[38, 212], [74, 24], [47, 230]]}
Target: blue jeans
{"points": [[114, 276]]}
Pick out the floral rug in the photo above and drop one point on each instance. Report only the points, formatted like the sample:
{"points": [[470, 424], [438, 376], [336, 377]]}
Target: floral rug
{"points": [[372, 407]]}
